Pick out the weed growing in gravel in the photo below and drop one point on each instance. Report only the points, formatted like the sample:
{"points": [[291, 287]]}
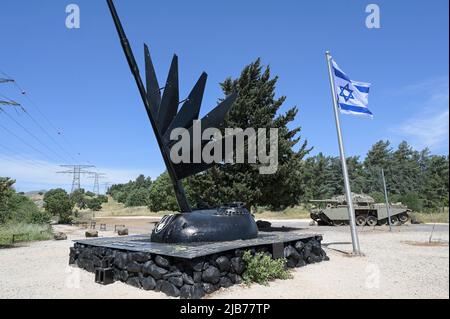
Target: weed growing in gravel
{"points": [[261, 268]]}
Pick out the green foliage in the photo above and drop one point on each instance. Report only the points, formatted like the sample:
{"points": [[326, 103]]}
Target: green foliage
{"points": [[16, 207], [25, 211], [137, 190], [415, 178], [161, 195], [137, 197], [261, 268], [6, 193], [58, 203], [78, 197], [103, 198], [90, 194], [94, 204]]}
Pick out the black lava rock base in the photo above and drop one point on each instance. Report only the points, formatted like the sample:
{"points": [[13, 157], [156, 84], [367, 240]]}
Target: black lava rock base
{"points": [[187, 278]]}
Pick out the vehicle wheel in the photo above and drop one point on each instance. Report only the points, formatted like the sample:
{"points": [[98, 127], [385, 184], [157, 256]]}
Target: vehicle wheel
{"points": [[361, 220], [372, 221], [403, 218], [394, 220]]}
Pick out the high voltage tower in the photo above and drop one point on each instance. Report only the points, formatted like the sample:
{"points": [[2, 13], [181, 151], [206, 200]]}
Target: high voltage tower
{"points": [[96, 176], [77, 171]]}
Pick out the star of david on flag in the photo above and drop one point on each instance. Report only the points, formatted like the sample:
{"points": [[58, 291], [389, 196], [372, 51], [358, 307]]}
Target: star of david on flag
{"points": [[353, 97]]}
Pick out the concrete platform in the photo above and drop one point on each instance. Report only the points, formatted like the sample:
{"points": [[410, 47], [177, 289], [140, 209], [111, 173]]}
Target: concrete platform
{"points": [[142, 243]]}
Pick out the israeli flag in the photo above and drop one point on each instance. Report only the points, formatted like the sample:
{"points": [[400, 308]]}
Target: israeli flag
{"points": [[353, 97]]}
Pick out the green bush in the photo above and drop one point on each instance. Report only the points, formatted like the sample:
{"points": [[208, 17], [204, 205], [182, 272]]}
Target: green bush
{"points": [[58, 203], [261, 268], [103, 198], [25, 210], [137, 197], [94, 204], [162, 195]]}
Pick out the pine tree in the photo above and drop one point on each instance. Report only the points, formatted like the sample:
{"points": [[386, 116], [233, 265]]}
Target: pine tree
{"points": [[256, 107]]}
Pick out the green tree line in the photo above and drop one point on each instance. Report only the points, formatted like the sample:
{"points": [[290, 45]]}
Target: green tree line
{"points": [[413, 177]]}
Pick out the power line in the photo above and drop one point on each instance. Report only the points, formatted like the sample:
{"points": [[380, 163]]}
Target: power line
{"points": [[31, 134], [25, 142], [20, 157], [58, 131], [77, 171]]}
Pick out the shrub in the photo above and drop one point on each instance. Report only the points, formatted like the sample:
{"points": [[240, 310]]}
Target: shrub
{"points": [[25, 210], [261, 268], [162, 195], [57, 202], [137, 197], [94, 203], [103, 198]]}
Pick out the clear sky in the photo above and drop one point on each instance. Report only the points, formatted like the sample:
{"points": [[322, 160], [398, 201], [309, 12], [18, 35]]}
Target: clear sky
{"points": [[80, 81]]}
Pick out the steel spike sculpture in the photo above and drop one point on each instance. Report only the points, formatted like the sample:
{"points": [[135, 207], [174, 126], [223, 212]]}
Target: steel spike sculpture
{"points": [[225, 223]]}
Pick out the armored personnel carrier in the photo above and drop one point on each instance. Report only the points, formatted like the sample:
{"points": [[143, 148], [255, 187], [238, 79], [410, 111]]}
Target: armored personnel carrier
{"points": [[334, 211]]}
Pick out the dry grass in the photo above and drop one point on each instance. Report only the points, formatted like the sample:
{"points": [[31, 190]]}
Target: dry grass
{"points": [[24, 233], [113, 208], [296, 212], [441, 217]]}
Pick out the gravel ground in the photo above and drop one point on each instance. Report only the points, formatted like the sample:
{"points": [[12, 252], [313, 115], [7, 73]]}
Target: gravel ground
{"points": [[397, 264]]}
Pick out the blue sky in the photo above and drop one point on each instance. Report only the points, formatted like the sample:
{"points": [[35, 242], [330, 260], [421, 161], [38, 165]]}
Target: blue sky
{"points": [[80, 80]]}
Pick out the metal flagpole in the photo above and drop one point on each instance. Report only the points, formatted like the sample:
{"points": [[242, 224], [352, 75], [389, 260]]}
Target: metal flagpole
{"points": [[348, 194], [387, 201]]}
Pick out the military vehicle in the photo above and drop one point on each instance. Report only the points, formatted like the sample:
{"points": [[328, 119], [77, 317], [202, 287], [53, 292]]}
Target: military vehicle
{"points": [[334, 211]]}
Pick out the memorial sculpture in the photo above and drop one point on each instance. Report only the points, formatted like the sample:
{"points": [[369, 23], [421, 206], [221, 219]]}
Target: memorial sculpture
{"points": [[194, 252]]}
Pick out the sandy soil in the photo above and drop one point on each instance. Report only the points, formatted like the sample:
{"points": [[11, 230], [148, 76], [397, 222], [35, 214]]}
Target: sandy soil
{"points": [[397, 264]]}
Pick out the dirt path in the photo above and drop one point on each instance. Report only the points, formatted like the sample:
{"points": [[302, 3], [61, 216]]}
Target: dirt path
{"points": [[392, 268]]}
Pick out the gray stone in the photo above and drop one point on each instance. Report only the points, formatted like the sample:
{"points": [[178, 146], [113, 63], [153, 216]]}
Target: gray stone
{"points": [[225, 282], [155, 271], [235, 278], [134, 267], [91, 233], [60, 236], [198, 291], [122, 231], [209, 288], [120, 260], [140, 257], [170, 289], [148, 283], [299, 246], [177, 281], [211, 275], [197, 265], [187, 279], [223, 263], [146, 267], [197, 277], [162, 262], [186, 292], [291, 252], [159, 285], [134, 281], [237, 265], [172, 274], [124, 275]]}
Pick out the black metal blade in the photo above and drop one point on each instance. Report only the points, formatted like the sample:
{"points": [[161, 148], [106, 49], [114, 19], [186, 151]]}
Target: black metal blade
{"points": [[153, 90], [190, 109], [183, 170], [216, 117], [169, 103]]}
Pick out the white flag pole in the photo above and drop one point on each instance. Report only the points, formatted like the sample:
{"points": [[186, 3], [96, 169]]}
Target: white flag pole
{"points": [[348, 194]]}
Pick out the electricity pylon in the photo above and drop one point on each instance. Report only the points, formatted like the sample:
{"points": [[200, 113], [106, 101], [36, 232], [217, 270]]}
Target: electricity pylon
{"points": [[96, 176], [77, 171]]}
